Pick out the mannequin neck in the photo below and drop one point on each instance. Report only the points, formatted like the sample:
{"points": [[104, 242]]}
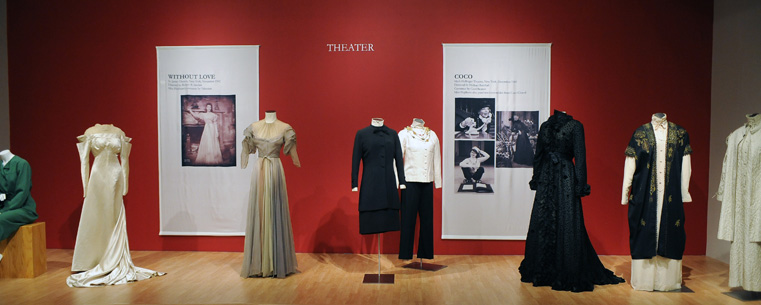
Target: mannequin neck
{"points": [[377, 122], [418, 123], [754, 122], [270, 116], [6, 156], [104, 128], [659, 119]]}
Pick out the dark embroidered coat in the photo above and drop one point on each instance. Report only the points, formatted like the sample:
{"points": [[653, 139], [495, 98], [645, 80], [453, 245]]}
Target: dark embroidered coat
{"points": [[377, 148], [643, 199]]}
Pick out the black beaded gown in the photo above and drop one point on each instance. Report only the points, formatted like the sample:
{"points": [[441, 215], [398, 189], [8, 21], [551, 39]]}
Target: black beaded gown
{"points": [[558, 251]]}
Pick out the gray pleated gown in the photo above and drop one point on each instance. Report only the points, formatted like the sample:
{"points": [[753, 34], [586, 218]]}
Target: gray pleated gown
{"points": [[269, 250]]}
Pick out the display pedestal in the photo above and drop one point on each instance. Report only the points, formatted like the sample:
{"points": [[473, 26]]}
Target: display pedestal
{"points": [[744, 295], [378, 279], [424, 266], [371, 278], [24, 252]]}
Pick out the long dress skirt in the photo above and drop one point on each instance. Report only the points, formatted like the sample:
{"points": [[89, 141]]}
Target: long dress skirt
{"points": [[269, 248], [558, 250]]}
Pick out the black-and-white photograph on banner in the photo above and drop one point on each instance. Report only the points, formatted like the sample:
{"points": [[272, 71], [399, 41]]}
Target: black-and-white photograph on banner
{"points": [[208, 130], [516, 138], [474, 166], [474, 118], [207, 95], [495, 98]]}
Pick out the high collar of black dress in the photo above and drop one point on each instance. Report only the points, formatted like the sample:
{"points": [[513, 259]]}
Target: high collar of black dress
{"points": [[560, 116], [381, 129]]}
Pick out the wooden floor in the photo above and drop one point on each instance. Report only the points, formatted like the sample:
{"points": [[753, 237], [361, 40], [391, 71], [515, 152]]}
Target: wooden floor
{"points": [[212, 278]]}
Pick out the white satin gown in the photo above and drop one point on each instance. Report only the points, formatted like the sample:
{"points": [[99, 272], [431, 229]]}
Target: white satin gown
{"points": [[102, 248]]}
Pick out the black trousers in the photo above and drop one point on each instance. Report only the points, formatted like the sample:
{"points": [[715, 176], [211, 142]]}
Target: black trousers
{"points": [[417, 198], [475, 176]]}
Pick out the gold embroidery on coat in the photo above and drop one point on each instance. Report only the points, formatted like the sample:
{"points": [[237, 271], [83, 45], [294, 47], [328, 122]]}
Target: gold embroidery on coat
{"points": [[650, 135], [642, 140], [675, 134], [630, 152]]}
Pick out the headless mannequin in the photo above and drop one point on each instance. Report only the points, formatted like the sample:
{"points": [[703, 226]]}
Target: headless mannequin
{"points": [[104, 128], [377, 122], [418, 127], [629, 168], [657, 273], [378, 278], [6, 156], [270, 116], [418, 123], [14, 215]]}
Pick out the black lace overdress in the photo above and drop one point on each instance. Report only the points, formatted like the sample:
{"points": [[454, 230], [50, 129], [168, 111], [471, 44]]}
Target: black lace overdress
{"points": [[558, 250]]}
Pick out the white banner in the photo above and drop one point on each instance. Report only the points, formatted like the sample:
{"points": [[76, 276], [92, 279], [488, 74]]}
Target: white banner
{"points": [[207, 95], [495, 98]]}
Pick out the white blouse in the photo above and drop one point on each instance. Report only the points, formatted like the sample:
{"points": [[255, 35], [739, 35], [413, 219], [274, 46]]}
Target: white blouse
{"points": [[422, 155]]}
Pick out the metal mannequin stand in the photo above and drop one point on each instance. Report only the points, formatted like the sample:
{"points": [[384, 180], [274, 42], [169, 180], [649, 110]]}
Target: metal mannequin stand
{"points": [[371, 278], [424, 266]]}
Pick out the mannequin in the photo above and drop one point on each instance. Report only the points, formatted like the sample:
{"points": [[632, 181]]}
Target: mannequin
{"points": [[558, 251], [740, 196], [17, 208], [98, 218], [422, 170], [269, 249], [656, 158], [6, 156], [377, 122], [102, 246], [377, 148], [270, 116]]}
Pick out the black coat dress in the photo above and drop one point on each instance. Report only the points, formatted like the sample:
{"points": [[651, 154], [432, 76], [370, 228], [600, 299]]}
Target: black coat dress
{"points": [[558, 250], [377, 148]]}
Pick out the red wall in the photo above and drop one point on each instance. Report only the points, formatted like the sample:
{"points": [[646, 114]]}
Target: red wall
{"points": [[76, 63]]}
